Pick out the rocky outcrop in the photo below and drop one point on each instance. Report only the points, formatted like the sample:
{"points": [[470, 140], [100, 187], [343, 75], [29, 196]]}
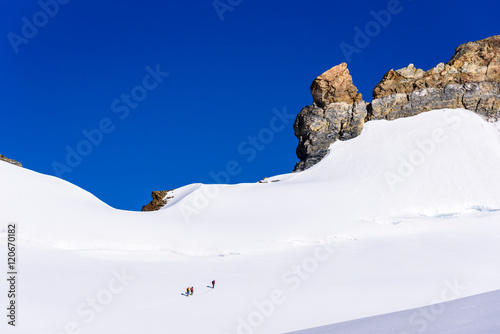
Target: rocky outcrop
{"points": [[14, 162], [338, 112], [470, 80], [335, 85], [480, 97], [160, 199], [473, 62]]}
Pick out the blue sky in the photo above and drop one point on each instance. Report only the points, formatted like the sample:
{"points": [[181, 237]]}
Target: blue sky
{"points": [[125, 97]]}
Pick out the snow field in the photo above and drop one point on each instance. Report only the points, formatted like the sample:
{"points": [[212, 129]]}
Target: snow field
{"points": [[403, 216]]}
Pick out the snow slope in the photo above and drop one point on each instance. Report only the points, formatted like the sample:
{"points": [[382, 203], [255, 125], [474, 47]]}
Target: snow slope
{"points": [[382, 224], [476, 314]]}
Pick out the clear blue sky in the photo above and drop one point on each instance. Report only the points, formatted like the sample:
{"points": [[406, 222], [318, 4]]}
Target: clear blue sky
{"points": [[86, 66]]}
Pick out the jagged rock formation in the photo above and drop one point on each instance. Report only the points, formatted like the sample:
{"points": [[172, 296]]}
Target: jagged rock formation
{"points": [[338, 112], [14, 162], [335, 85], [470, 80], [160, 199]]}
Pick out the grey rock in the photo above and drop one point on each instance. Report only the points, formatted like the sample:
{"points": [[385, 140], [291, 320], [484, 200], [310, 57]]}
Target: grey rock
{"points": [[482, 98], [319, 127]]}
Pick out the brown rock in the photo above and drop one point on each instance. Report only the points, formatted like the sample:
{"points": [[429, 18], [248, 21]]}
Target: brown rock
{"points": [[11, 161], [470, 80], [335, 85], [473, 62], [160, 199]]}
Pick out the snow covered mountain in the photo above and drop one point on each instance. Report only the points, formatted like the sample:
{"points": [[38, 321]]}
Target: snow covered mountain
{"points": [[401, 217]]}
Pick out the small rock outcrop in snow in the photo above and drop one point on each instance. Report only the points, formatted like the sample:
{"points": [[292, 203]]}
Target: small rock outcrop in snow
{"points": [[470, 80], [160, 199], [14, 162], [338, 112]]}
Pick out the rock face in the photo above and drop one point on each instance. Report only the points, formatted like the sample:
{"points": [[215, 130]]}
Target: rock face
{"points": [[480, 97], [338, 112], [470, 80], [14, 162], [160, 199]]}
